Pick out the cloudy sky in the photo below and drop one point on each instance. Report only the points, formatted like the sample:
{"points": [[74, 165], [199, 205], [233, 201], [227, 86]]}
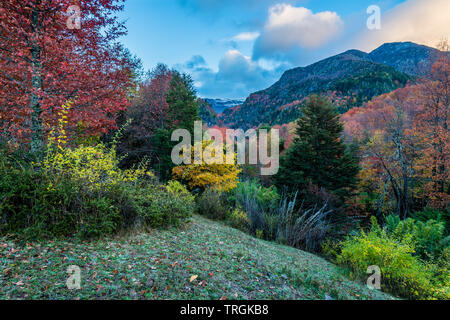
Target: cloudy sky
{"points": [[235, 47]]}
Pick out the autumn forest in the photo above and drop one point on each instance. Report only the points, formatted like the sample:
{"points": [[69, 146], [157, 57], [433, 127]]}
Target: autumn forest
{"points": [[95, 204]]}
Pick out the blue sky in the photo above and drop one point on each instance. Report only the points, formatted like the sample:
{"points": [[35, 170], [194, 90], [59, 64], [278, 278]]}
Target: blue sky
{"points": [[235, 47]]}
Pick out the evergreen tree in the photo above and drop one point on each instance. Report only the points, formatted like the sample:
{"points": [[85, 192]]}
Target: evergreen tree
{"points": [[318, 155], [183, 111], [182, 101]]}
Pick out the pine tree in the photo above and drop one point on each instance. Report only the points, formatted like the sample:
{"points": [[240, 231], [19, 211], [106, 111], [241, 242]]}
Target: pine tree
{"points": [[183, 111], [182, 101], [318, 155]]}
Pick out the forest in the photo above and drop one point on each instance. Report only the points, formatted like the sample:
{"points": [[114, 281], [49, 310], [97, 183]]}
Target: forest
{"points": [[87, 178]]}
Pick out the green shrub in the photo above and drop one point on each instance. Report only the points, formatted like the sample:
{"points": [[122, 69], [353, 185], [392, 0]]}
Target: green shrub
{"points": [[163, 206], [29, 207], [433, 214], [213, 204], [239, 220], [402, 272], [36, 204], [425, 237], [267, 198]]}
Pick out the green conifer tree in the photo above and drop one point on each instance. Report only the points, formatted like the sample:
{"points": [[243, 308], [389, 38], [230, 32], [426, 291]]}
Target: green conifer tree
{"points": [[318, 155]]}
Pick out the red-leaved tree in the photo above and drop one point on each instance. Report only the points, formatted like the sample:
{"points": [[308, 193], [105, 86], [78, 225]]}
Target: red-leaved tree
{"points": [[47, 59]]}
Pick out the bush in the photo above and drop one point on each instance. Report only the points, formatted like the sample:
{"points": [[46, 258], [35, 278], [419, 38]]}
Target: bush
{"points": [[402, 272], [46, 202], [97, 167], [239, 220], [302, 228], [427, 238], [267, 198], [433, 214], [34, 205], [163, 206], [286, 220], [213, 204]]}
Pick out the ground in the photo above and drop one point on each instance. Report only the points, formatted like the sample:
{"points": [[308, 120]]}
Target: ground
{"points": [[205, 260]]}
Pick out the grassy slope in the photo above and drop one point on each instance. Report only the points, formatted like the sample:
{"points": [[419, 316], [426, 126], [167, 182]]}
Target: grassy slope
{"points": [[160, 265]]}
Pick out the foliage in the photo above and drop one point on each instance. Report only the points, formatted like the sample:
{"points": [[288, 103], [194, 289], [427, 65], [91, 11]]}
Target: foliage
{"points": [[266, 197], [44, 64], [318, 156], [163, 206], [218, 176], [96, 167], [426, 237], [404, 144], [86, 198], [402, 272], [428, 214], [183, 106], [33, 210], [212, 204], [432, 128], [164, 102], [239, 219]]}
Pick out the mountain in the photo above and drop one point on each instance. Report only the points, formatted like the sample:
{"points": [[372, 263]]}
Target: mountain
{"points": [[349, 79], [408, 57], [219, 105], [208, 114]]}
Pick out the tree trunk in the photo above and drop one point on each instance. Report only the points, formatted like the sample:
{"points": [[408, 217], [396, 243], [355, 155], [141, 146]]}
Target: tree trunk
{"points": [[37, 134]]}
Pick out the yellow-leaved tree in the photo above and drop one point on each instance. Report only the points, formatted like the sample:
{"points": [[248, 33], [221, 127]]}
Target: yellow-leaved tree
{"points": [[209, 174]]}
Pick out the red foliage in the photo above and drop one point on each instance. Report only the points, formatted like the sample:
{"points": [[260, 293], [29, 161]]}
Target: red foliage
{"points": [[149, 107], [44, 64]]}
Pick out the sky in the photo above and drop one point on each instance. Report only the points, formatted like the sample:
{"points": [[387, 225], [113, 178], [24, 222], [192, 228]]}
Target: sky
{"points": [[232, 48]]}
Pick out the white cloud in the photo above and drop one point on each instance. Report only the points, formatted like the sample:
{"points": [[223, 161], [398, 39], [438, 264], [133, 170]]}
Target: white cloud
{"points": [[246, 36], [238, 76], [290, 27], [420, 21]]}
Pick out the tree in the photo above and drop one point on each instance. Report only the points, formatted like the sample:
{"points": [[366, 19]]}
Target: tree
{"points": [[164, 102], [432, 127], [217, 176], [183, 104], [318, 155], [44, 64], [405, 141], [145, 117]]}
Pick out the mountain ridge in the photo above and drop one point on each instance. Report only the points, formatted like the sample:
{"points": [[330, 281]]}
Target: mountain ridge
{"points": [[349, 79]]}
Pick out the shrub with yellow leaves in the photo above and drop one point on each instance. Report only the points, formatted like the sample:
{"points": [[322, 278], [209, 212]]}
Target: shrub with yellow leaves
{"points": [[217, 176], [97, 166]]}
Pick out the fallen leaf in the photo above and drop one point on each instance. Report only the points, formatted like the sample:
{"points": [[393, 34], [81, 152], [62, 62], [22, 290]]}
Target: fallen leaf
{"points": [[193, 278]]}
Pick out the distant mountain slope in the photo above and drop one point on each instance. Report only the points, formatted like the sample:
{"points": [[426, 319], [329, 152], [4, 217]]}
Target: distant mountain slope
{"points": [[220, 105], [208, 114], [407, 57], [349, 79]]}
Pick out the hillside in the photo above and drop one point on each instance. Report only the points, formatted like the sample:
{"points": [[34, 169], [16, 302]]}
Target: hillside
{"points": [[349, 79], [407, 57], [220, 105], [208, 114], [160, 265]]}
